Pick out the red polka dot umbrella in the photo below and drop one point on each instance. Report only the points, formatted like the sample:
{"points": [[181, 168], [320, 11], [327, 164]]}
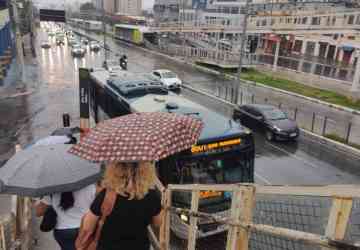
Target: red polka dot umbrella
{"points": [[139, 137]]}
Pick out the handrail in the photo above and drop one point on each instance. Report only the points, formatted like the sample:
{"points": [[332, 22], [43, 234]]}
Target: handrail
{"points": [[241, 224], [295, 235], [320, 191]]}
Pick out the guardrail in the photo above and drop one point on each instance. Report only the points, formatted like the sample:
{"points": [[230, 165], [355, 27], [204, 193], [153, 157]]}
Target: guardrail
{"points": [[210, 56], [343, 22], [274, 217]]}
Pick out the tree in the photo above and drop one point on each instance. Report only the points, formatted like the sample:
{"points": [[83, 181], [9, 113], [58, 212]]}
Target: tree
{"points": [[87, 6]]}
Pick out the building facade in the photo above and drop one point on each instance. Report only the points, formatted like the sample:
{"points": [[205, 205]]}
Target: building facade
{"points": [[331, 37], [166, 10], [128, 7]]}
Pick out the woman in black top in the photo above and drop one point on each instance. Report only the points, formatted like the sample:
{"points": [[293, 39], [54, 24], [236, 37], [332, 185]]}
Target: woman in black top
{"points": [[137, 205]]}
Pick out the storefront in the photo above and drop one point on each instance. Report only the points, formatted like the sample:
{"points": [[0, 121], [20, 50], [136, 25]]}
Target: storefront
{"points": [[269, 43]]}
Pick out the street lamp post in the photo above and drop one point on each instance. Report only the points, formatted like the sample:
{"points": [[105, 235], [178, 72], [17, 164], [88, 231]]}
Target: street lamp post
{"points": [[242, 46], [355, 87], [18, 39], [104, 30]]}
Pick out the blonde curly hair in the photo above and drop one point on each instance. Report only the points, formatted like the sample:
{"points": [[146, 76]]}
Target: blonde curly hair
{"points": [[130, 179]]}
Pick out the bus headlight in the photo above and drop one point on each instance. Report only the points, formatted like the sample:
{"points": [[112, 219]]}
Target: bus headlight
{"points": [[184, 217]]}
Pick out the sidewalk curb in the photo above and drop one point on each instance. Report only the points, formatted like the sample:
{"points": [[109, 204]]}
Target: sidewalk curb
{"points": [[231, 77]]}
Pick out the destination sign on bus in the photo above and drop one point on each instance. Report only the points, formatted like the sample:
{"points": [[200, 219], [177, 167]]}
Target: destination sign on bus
{"points": [[209, 194], [214, 145]]}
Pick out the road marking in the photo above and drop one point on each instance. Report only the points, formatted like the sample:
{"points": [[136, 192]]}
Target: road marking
{"points": [[292, 155], [262, 178]]}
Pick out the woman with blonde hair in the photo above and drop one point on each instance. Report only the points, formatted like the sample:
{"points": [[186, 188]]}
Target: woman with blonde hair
{"points": [[136, 206]]}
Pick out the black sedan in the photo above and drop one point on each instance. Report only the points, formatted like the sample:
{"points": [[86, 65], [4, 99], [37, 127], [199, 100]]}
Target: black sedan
{"points": [[269, 119]]}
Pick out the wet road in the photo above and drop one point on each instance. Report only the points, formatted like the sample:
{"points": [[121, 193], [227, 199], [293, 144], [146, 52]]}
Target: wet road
{"points": [[52, 89], [337, 121], [302, 163], [52, 84]]}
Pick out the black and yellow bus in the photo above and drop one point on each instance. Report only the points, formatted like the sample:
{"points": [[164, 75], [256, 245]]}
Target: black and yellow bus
{"points": [[224, 153]]}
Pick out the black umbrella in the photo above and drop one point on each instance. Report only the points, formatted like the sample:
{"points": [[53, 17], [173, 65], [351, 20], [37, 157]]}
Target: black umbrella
{"points": [[42, 170]]}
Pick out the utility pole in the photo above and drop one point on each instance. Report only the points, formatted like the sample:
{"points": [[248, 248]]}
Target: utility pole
{"points": [[104, 31], [18, 39], [183, 24], [242, 45]]}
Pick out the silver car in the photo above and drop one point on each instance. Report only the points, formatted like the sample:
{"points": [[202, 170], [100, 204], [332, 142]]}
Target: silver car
{"points": [[77, 50]]}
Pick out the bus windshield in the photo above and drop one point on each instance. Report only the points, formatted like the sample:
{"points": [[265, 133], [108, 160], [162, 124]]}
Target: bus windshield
{"points": [[221, 170]]}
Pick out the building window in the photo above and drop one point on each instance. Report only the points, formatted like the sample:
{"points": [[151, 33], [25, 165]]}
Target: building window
{"points": [[298, 46], [315, 21], [334, 20], [263, 22], [351, 19], [357, 19], [304, 20], [272, 21]]}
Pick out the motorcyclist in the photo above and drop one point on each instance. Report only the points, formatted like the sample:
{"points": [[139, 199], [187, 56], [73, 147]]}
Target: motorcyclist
{"points": [[123, 62]]}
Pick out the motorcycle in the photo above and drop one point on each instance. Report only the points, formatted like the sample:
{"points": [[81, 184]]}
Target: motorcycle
{"points": [[123, 62]]}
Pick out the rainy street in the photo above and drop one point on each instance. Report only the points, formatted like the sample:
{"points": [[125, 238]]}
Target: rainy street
{"points": [[35, 109], [51, 90]]}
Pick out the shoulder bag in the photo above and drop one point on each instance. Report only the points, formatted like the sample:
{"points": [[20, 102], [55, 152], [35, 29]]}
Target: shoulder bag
{"points": [[88, 240]]}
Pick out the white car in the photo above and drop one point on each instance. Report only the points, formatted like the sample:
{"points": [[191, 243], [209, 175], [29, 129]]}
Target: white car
{"points": [[45, 45], [168, 78], [85, 41], [72, 42], [77, 50], [94, 46]]}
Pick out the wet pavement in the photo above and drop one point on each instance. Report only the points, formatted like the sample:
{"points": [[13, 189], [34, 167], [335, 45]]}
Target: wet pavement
{"points": [[56, 92], [337, 121], [52, 89]]}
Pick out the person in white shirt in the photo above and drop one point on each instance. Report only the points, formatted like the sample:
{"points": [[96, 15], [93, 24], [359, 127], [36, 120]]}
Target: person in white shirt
{"points": [[70, 208]]}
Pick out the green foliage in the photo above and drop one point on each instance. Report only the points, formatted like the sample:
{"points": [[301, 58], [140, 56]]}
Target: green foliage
{"points": [[341, 140], [292, 86]]}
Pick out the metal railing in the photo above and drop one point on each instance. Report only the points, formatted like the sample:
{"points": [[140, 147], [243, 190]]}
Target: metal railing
{"points": [[273, 217], [296, 23], [208, 55], [344, 128], [15, 227]]}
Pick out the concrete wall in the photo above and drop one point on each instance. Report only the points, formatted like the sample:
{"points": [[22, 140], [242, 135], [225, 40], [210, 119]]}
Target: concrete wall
{"points": [[338, 86]]}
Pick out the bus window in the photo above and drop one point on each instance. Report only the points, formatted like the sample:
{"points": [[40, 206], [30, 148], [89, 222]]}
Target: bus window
{"points": [[224, 170]]}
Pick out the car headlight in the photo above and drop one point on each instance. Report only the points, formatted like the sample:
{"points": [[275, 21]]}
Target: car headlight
{"points": [[184, 217]]}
